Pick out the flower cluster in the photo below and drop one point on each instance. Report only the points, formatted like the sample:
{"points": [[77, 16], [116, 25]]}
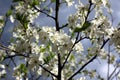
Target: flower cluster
{"points": [[115, 38], [69, 2], [2, 70]]}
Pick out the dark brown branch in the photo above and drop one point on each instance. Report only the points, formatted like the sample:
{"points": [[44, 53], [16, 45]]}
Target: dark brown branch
{"points": [[7, 49], [59, 67], [40, 10], [64, 26], [44, 12], [104, 43], [12, 56], [89, 10], [47, 70], [56, 15], [66, 59], [12, 59]]}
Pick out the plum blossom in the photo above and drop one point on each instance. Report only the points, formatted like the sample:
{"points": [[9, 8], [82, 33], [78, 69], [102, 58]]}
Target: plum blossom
{"points": [[78, 47], [82, 78], [70, 2], [115, 38], [2, 70], [72, 21]]}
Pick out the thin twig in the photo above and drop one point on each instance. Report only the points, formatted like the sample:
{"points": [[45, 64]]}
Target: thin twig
{"points": [[108, 62], [66, 59], [11, 59], [113, 72], [48, 71], [43, 12], [115, 75], [64, 26]]}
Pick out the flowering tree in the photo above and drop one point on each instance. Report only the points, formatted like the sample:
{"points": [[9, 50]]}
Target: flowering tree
{"points": [[57, 52]]}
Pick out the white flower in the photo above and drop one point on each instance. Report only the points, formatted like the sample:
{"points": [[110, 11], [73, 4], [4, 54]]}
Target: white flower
{"points": [[115, 38], [2, 73], [43, 36], [104, 2], [109, 31], [12, 19], [82, 78], [17, 74], [72, 21], [2, 66], [2, 53], [78, 47], [34, 61], [70, 2], [103, 53], [61, 41], [55, 69], [35, 48]]}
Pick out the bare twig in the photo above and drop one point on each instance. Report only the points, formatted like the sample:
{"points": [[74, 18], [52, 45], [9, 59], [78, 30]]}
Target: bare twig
{"points": [[11, 59], [108, 62], [113, 72], [64, 26], [48, 71], [43, 12], [115, 75]]}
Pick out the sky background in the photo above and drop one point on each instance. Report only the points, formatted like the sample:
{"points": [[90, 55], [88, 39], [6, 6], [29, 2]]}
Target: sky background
{"points": [[64, 12]]}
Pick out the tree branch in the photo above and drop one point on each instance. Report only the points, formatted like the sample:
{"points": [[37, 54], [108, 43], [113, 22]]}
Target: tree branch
{"points": [[47, 70], [113, 72], [56, 15], [64, 26], [66, 59], [44, 12], [59, 67]]}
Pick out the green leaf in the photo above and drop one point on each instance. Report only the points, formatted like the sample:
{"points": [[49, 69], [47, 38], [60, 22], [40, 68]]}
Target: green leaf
{"points": [[84, 27], [34, 2], [9, 12], [53, 1], [72, 35], [23, 68], [49, 58], [72, 57], [23, 19]]}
